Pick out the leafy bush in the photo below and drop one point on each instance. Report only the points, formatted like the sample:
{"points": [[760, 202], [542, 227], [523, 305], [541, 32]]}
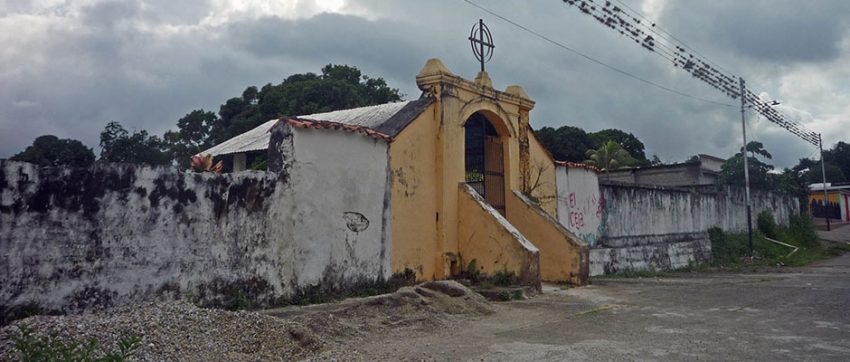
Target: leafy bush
{"points": [[52, 348], [726, 248], [729, 249], [767, 225], [801, 231], [472, 272], [503, 278]]}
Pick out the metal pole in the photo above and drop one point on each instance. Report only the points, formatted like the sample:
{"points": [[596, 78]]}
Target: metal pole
{"points": [[823, 171], [481, 43], [746, 169]]}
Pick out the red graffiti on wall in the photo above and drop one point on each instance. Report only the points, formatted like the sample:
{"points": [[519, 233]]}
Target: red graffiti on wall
{"points": [[577, 219]]}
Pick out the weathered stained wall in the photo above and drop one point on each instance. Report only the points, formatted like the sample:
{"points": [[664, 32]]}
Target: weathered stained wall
{"points": [[415, 198], [649, 227], [580, 204], [632, 210], [113, 233]]}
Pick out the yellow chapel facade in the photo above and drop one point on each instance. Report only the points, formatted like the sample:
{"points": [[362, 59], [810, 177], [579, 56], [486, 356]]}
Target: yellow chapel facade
{"points": [[448, 210]]}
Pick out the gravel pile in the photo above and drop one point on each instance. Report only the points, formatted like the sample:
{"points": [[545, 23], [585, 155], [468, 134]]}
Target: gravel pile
{"points": [[180, 331]]}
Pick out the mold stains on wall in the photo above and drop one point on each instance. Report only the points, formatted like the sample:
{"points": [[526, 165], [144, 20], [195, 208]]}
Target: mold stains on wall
{"points": [[113, 234], [355, 221]]}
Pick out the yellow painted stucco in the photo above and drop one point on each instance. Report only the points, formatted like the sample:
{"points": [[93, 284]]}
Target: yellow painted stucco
{"points": [[432, 220], [544, 188], [490, 240], [563, 256]]}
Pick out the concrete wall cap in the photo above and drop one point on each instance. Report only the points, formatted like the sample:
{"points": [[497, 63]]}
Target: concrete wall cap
{"points": [[483, 79], [517, 91], [434, 66]]}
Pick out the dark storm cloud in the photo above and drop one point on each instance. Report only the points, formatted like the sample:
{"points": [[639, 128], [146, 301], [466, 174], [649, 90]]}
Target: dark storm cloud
{"points": [[775, 30], [148, 63], [331, 38]]}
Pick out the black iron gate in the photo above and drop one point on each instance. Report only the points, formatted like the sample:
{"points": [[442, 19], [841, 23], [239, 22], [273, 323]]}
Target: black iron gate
{"points": [[484, 162], [494, 173]]}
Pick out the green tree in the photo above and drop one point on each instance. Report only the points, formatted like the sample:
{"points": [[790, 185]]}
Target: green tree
{"points": [[627, 141], [338, 87], [839, 155], [49, 150], [118, 145], [810, 171], [191, 137], [566, 143], [608, 156], [756, 148], [656, 161], [732, 171]]}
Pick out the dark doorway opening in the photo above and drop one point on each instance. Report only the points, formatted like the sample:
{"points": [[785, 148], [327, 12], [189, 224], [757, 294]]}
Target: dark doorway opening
{"points": [[484, 160]]}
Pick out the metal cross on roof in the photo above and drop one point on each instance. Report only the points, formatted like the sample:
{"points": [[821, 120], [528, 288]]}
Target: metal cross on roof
{"points": [[484, 39]]}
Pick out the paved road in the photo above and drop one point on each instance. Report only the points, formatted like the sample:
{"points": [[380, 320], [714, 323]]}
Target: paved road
{"points": [[795, 315]]}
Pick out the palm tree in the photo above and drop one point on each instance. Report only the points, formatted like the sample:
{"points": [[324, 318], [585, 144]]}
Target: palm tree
{"points": [[757, 148], [608, 156]]}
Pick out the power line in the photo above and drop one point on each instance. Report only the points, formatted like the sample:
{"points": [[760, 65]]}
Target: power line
{"points": [[618, 70], [666, 34], [627, 24]]}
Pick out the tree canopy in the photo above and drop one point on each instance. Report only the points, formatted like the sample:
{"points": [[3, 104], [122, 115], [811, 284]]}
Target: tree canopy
{"points": [[609, 156], [568, 143], [49, 150], [627, 141], [338, 87], [118, 145]]}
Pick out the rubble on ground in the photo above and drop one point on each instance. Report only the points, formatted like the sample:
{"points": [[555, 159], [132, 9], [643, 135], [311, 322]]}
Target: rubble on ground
{"points": [[178, 330]]}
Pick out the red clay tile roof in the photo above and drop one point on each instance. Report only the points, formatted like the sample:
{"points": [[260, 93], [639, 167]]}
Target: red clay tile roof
{"points": [[578, 165], [316, 124]]}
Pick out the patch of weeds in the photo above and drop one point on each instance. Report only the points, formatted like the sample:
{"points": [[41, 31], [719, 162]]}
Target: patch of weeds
{"points": [[731, 250], [517, 294], [473, 273], [502, 278], [317, 294], [29, 347], [566, 286], [767, 225], [504, 295]]}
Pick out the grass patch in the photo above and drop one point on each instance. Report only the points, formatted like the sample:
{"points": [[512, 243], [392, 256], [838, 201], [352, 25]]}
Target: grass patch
{"points": [[29, 347], [731, 250]]}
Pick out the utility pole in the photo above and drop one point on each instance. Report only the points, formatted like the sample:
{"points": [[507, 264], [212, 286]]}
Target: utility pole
{"points": [[746, 168], [825, 194]]}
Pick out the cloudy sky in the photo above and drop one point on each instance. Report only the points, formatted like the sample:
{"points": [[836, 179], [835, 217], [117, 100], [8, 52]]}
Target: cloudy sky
{"points": [[69, 67]]}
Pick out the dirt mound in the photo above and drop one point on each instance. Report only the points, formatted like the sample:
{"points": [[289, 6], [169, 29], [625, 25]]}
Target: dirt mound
{"points": [[182, 331]]}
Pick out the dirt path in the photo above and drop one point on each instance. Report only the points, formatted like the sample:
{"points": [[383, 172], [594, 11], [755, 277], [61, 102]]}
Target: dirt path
{"points": [[797, 314]]}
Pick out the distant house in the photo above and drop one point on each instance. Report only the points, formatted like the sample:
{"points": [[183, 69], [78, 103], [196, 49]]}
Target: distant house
{"points": [[703, 172], [838, 206]]}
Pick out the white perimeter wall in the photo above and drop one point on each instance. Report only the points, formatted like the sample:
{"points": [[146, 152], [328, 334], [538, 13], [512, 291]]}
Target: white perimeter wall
{"points": [[111, 234], [580, 206]]}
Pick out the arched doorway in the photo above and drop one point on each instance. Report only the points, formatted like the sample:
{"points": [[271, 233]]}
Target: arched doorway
{"points": [[484, 160]]}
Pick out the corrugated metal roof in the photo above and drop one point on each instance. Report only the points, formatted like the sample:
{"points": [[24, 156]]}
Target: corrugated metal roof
{"points": [[257, 139], [254, 140]]}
